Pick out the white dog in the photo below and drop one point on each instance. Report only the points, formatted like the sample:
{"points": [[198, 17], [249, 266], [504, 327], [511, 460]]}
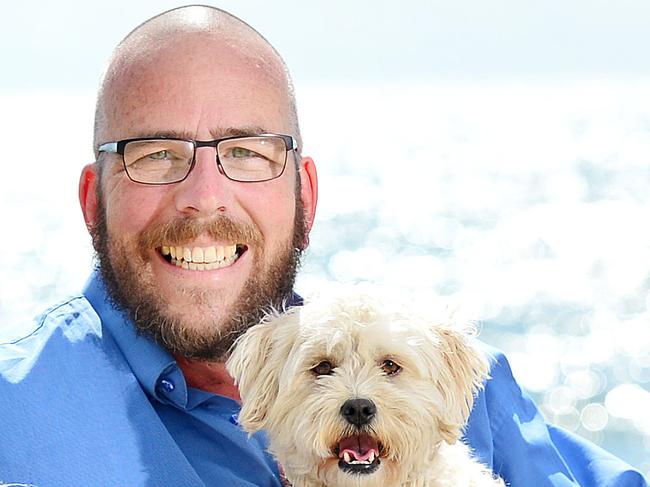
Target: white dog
{"points": [[354, 394]]}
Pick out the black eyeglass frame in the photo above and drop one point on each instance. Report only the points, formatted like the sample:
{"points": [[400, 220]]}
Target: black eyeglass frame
{"points": [[117, 147]]}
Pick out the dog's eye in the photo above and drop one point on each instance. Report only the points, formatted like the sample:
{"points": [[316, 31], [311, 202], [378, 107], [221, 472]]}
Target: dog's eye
{"points": [[390, 367], [323, 368]]}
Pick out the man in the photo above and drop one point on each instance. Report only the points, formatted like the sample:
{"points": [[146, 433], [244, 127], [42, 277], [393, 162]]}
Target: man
{"points": [[199, 204]]}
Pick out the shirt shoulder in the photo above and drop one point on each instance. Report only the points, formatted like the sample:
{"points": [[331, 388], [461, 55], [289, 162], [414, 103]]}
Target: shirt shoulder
{"points": [[508, 433], [21, 344], [69, 401]]}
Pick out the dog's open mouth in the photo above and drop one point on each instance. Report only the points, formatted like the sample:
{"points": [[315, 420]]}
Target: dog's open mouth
{"points": [[359, 454]]}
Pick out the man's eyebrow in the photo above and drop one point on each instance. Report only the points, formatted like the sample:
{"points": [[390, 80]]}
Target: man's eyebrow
{"points": [[215, 133], [238, 131]]}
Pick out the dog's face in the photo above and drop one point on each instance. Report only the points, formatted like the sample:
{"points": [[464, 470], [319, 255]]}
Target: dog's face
{"points": [[353, 394]]}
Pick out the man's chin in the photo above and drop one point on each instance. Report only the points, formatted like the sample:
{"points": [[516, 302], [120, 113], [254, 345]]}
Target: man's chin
{"points": [[199, 322], [199, 334], [197, 318], [194, 303]]}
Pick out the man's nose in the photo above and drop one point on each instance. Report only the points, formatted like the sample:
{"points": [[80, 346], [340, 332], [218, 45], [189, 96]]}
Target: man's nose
{"points": [[206, 189]]}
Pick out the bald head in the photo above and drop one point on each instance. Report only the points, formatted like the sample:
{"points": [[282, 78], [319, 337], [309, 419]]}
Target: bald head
{"points": [[188, 49]]}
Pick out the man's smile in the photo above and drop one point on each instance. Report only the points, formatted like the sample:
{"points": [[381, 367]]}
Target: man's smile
{"points": [[202, 258]]}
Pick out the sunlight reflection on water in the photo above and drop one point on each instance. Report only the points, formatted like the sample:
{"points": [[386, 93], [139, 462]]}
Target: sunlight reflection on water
{"points": [[526, 204]]}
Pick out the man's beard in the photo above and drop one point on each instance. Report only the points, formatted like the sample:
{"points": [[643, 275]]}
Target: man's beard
{"points": [[135, 293]]}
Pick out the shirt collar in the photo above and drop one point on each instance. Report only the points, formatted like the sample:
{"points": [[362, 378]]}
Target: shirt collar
{"points": [[155, 369]]}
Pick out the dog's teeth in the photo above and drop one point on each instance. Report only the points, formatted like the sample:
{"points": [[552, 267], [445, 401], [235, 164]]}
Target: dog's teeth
{"points": [[347, 457], [371, 458]]}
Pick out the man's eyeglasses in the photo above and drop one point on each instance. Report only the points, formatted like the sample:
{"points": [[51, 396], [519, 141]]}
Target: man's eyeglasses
{"points": [[166, 161]]}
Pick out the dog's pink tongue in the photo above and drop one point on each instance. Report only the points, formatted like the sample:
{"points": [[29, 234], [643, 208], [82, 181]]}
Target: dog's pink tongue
{"points": [[358, 446]]}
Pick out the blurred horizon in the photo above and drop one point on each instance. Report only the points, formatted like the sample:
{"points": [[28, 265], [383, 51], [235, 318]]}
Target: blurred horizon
{"points": [[65, 44]]}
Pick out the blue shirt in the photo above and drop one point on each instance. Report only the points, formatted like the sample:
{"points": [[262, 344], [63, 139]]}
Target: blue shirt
{"points": [[84, 401]]}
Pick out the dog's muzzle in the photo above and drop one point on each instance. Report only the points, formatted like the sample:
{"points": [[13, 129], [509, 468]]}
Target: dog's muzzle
{"points": [[358, 412], [358, 453]]}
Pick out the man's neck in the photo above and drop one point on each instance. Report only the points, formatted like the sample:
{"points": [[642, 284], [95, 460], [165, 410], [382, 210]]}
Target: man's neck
{"points": [[208, 376]]}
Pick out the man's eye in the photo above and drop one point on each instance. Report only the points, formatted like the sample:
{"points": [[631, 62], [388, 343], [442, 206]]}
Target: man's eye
{"points": [[160, 155], [323, 368], [242, 152], [390, 367]]}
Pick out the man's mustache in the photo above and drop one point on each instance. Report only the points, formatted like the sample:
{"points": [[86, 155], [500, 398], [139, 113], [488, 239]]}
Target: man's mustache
{"points": [[186, 229]]}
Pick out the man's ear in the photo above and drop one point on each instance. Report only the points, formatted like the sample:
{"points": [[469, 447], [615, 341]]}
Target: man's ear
{"points": [[308, 192], [88, 194]]}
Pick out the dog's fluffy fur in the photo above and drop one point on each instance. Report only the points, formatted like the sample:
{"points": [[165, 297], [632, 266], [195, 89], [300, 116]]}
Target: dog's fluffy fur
{"points": [[420, 379]]}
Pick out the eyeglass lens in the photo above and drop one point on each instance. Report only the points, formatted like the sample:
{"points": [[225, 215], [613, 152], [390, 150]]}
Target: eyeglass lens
{"points": [[160, 161]]}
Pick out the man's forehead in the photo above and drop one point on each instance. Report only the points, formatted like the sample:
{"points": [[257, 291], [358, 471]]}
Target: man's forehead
{"points": [[230, 87], [216, 133], [214, 72]]}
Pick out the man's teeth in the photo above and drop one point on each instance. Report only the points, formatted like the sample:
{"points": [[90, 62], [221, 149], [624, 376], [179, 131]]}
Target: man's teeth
{"points": [[201, 258]]}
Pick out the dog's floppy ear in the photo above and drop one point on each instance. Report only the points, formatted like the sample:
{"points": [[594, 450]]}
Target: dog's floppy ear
{"points": [[463, 372], [253, 364]]}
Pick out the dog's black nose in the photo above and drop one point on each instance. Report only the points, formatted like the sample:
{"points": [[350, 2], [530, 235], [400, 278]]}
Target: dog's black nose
{"points": [[358, 411]]}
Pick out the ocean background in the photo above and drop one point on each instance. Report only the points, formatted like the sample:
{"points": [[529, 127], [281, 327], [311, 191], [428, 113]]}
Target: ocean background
{"points": [[524, 206]]}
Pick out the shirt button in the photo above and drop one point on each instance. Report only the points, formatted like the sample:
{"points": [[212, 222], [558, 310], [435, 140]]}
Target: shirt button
{"points": [[167, 385]]}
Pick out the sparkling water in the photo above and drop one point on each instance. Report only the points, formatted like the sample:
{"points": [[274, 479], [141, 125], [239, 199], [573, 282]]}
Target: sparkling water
{"points": [[522, 205]]}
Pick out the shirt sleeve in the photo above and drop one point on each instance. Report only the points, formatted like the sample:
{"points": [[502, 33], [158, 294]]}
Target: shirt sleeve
{"points": [[507, 432]]}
